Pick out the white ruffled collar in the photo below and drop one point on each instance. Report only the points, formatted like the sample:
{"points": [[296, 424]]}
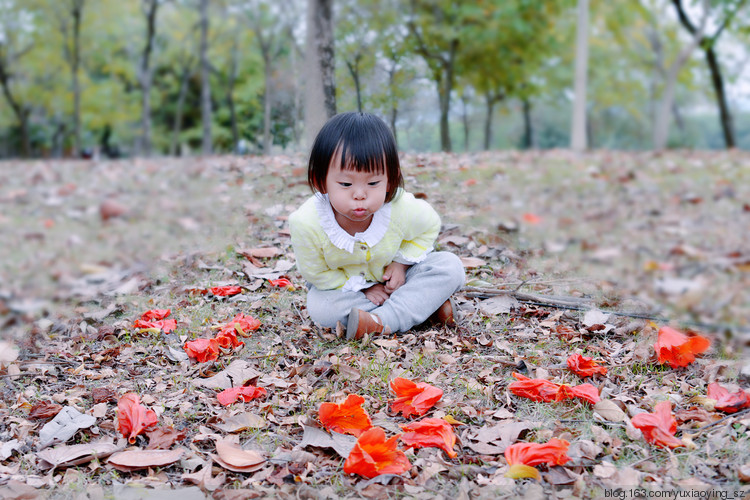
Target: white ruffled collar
{"points": [[343, 240]]}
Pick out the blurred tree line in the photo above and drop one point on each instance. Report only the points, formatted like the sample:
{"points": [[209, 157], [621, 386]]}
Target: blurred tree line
{"points": [[142, 77]]}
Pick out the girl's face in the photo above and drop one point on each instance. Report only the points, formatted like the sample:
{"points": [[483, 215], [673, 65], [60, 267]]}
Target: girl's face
{"points": [[354, 196]]}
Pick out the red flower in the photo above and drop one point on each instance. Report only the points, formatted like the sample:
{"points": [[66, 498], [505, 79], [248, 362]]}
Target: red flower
{"points": [[202, 349], [281, 283], [165, 325], [414, 398], [155, 319], [155, 314], [227, 339], [348, 417], [430, 433], [522, 457], [678, 349], [585, 367], [373, 455], [658, 427], [244, 392], [132, 417], [225, 291], [538, 389], [240, 324], [726, 401]]}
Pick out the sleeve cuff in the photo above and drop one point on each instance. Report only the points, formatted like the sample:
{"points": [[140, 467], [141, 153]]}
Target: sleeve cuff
{"points": [[410, 261], [355, 284]]}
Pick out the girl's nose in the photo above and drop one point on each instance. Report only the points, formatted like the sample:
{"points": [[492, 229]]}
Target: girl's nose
{"points": [[359, 194]]}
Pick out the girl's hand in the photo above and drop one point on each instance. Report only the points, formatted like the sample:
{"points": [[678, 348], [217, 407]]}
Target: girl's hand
{"points": [[394, 276], [377, 294]]}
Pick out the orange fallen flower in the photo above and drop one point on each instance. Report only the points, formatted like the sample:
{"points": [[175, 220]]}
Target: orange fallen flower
{"points": [[522, 457], [202, 349], [225, 291], [227, 339], [348, 417], [373, 455], [538, 389], [132, 417], [165, 325], [156, 314], [585, 367], [532, 218], [240, 324], [677, 349], [414, 398], [726, 401], [430, 433], [155, 318], [281, 283], [244, 392], [658, 427]]}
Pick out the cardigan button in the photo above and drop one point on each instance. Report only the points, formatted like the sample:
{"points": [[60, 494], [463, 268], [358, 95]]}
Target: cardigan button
{"points": [[363, 247]]}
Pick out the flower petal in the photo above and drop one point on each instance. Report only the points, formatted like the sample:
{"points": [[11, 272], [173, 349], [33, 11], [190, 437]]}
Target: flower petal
{"points": [[348, 417], [373, 455]]}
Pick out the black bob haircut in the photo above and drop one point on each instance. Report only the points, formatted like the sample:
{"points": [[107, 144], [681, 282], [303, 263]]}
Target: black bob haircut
{"points": [[363, 142]]}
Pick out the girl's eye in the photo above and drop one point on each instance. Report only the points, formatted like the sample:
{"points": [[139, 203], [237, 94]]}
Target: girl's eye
{"points": [[374, 183], [345, 184]]}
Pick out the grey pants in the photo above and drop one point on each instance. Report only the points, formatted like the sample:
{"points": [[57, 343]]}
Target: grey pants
{"points": [[428, 285]]}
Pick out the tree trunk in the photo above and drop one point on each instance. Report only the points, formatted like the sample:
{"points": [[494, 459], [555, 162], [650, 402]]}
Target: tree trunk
{"points": [[578, 141], [354, 71], [320, 89], [177, 127], [445, 88], [490, 105], [528, 139], [394, 108], [267, 94], [231, 80], [22, 114], [206, 111], [146, 77], [727, 125], [664, 107], [77, 12], [465, 119], [717, 80]]}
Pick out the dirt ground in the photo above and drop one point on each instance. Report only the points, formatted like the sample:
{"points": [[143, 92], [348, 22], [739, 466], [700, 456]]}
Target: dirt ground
{"points": [[564, 254]]}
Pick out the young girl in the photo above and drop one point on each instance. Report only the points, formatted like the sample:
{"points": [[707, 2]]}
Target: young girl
{"points": [[364, 245]]}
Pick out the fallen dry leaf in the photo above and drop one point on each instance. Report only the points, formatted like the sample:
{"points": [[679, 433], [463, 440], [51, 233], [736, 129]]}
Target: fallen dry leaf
{"points": [[142, 459]]}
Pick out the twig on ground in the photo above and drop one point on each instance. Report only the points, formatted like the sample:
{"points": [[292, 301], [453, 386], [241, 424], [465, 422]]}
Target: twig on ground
{"points": [[712, 424]]}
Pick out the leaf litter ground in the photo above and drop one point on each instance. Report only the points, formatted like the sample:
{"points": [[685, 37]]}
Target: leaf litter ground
{"points": [[621, 243]]}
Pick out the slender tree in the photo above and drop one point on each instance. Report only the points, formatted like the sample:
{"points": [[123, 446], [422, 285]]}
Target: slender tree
{"points": [[708, 44], [145, 73], [205, 66], [20, 109], [664, 106], [320, 88], [578, 140]]}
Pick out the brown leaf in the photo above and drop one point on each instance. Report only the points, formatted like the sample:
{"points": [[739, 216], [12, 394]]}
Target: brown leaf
{"points": [[241, 422], [472, 262], [237, 373], [230, 455], [609, 411], [319, 438], [109, 209], [44, 409], [142, 459], [204, 479], [162, 438], [67, 456], [103, 395], [261, 253]]}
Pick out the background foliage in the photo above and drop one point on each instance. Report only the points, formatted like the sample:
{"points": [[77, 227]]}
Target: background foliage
{"points": [[504, 68]]}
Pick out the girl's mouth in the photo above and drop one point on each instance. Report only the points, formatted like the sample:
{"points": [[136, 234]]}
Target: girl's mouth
{"points": [[360, 212]]}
